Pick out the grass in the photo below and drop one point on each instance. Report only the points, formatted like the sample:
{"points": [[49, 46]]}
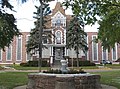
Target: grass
{"points": [[114, 66], [18, 67], [110, 78], [9, 80]]}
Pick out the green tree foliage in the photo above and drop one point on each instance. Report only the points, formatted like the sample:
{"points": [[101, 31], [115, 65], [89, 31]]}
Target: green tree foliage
{"points": [[106, 12], [33, 42], [76, 36], [109, 29], [8, 28]]}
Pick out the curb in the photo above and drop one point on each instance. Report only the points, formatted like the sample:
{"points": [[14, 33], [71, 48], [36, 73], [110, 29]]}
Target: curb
{"points": [[102, 85]]}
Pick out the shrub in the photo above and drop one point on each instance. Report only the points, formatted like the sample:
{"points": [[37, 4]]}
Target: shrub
{"points": [[34, 64], [24, 64], [1, 68], [81, 63], [86, 63], [45, 64], [118, 60], [72, 71]]}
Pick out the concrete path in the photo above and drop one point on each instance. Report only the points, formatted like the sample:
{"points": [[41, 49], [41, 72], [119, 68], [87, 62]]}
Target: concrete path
{"points": [[103, 87]]}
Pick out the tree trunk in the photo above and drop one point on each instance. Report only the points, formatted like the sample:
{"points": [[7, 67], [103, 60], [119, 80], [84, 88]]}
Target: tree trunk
{"points": [[77, 58]]}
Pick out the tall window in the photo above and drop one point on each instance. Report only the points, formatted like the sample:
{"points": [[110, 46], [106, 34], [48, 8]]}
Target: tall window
{"points": [[58, 37], [104, 54], [19, 48], [94, 49], [9, 53], [114, 53], [0, 55]]}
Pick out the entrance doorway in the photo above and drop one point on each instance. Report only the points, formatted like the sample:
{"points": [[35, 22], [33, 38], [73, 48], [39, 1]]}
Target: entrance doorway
{"points": [[58, 53]]}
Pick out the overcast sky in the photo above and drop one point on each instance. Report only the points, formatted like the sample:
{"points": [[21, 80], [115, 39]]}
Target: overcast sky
{"points": [[24, 15]]}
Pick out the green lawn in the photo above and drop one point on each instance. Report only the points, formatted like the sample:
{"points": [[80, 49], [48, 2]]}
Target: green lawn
{"points": [[110, 78], [114, 66], [9, 80], [13, 79]]}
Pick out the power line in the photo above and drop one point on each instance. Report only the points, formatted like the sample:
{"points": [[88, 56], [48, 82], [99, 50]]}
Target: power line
{"points": [[25, 19]]}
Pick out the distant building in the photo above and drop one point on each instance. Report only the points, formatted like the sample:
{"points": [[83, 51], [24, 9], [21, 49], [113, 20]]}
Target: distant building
{"points": [[56, 51]]}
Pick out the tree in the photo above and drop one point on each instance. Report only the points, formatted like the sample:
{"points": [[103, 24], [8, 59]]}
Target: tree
{"points": [[40, 32], [37, 34], [105, 12], [76, 36], [33, 42], [8, 28], [109, 29]]}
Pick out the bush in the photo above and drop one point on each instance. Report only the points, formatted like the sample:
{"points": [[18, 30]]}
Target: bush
{"points": [[24, 64], [72, 71], [34, 64], [1, 68], [45, 64], [81, 63], [86, 63]]}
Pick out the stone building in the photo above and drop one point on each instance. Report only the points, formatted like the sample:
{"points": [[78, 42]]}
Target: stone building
{"points": [[56, 51]]}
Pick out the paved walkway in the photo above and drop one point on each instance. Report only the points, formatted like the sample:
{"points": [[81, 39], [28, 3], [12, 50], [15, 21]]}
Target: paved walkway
{"points": [[103, 87]]}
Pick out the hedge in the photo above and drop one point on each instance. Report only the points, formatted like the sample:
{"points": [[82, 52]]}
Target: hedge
{"points": [[81, 63], [34, 64]]}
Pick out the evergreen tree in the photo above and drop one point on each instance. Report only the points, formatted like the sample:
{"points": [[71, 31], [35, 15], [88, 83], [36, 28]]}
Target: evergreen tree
{"points": [[33, 42], [76, 37]]}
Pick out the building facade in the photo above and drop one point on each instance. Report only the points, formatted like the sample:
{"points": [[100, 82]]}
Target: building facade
{"points": [[16, 52]]}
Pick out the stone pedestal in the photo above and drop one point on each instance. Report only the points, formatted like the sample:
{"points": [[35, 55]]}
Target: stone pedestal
{"points": [[63, 81]]}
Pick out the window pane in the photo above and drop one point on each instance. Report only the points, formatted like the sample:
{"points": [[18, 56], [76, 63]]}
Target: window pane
{"points": [[114, 53], [95, 49], [9, 53], [104, 55], [58, 37], [19, 48]]}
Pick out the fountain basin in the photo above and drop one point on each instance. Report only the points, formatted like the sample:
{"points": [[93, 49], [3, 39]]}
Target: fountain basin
{"points": [[63, 81]]}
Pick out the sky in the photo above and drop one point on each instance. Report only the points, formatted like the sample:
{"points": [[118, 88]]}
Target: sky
{"points": [[24, 15]]}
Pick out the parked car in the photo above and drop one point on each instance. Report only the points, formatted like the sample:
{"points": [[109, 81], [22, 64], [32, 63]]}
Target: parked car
{"points": [[106, 62]]}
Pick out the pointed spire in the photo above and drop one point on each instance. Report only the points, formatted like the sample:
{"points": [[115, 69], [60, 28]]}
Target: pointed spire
{"points": [[58, 7]]}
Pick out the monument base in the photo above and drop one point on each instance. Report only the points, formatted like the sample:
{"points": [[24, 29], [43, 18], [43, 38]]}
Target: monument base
{"points": [[70, 81]]}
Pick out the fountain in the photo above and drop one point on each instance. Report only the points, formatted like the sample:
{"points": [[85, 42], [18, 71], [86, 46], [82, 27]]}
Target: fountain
{"points": [[63, 81], [64, 66]]}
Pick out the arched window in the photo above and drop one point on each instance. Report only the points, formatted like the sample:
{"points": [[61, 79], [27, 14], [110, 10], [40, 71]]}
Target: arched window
{"points": [[58, 37], [58, 22]]}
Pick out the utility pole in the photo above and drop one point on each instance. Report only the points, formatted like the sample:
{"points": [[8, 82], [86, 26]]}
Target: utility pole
{"points": [[40, 36]]}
